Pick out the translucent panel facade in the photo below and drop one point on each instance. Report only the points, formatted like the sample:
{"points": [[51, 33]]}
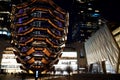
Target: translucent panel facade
{"points": [[102, 47]]}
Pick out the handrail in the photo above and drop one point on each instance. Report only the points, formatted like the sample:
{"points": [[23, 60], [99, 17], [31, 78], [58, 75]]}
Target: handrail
{"points": [[33, 28], [25, 32], [32, 39], [20, 60], [30, 51], [23, 52], [47, 52], [45, 19], [44, 61], [42, 9], [48, 41], [25, 4], [56, 7], [31, 60], [38, 48]]}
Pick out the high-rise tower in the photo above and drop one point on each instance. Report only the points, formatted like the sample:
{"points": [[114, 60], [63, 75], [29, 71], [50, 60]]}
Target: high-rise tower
{"points": [[39, 30]]}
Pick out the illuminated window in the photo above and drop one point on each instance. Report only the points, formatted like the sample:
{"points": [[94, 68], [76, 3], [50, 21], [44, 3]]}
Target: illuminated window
{"points": [[95, 15], [5, 32], [38, 23], [36, 14], [0, 32], [40, 33], [9, 34]]}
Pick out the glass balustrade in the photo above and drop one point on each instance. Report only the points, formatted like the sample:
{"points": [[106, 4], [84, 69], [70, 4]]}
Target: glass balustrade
{"points": [[59, 15], [56, 32], [22, 19], [21, 11], [24, 39], [24, 49], [27, 58]]}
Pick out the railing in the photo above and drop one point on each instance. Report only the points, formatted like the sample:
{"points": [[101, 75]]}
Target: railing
{"points": [[53, 34], [54, 14], [50, 21]]}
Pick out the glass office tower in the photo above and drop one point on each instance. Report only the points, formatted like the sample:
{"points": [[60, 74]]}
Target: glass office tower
{"points": [[39, 30]]}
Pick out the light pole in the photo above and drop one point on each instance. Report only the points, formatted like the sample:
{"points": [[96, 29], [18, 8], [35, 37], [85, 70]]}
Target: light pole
{"points": [[36, 74]]}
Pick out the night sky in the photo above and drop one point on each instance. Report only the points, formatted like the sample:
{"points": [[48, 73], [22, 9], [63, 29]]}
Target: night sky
{"points": [[110, 9]]}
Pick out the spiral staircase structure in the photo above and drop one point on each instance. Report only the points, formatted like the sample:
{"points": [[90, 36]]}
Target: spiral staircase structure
{"points": [[39, 30]]}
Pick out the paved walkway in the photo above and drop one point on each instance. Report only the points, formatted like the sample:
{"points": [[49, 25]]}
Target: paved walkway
{"points": [[18, 77]]}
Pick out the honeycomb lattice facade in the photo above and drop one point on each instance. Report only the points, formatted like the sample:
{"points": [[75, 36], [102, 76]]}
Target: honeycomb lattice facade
{"points": [[39, 30]]}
